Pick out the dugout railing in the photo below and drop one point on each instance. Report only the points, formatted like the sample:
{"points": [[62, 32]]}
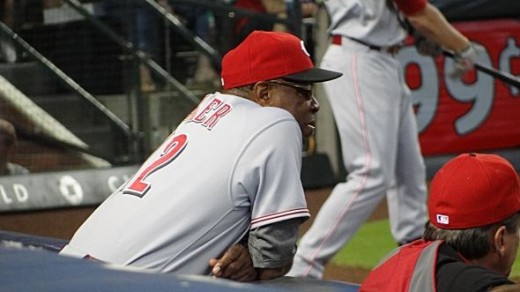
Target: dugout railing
{"points": [[134, 130]]}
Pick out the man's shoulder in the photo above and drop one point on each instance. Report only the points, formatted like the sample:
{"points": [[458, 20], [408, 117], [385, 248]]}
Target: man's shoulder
{"points": [[454, 274]]}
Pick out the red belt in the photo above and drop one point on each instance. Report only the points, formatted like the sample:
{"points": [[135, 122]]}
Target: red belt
{"points": [[338, 40]]}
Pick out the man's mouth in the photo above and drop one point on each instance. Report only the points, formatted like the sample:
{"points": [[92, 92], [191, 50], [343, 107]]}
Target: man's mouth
{"points": [[311, 124]]}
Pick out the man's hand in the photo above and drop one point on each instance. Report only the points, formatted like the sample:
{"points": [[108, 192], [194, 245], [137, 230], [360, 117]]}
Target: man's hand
{"points": [[235, 264], [464, 61]]}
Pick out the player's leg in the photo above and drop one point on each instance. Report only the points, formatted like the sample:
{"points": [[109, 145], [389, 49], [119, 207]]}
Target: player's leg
{"points": [[407, 200], [364, 116]]}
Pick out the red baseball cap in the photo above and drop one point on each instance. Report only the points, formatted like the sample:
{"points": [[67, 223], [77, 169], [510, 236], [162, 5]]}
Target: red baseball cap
{"points": [[266, 55], [473, 190]]}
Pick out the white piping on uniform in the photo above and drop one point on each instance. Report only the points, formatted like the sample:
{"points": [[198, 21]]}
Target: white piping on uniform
{"points": [[368, 162]]}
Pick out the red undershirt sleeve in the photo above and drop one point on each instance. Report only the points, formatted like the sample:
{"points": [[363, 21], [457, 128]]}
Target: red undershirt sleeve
{"points": [[410, 7]]}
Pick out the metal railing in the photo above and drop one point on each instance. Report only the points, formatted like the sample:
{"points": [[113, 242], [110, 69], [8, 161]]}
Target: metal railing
{"points": [[138, 56]]}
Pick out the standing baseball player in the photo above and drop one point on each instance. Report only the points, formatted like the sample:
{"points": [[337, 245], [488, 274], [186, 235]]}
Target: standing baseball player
{"points": [[377, 128], [230, 172]]}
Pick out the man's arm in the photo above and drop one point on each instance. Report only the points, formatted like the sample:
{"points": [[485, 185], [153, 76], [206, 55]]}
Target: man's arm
{"points": [[272, 248], [430, 22], [270, 253]]}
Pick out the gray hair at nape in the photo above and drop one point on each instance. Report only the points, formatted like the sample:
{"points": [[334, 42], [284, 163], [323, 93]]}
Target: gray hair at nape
{"points": [[471, 243]]}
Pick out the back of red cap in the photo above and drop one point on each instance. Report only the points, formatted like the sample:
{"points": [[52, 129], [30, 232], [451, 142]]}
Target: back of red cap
{"points": [[473, 190]]}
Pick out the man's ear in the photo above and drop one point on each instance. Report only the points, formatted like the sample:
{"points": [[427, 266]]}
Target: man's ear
{"points": [[499, 240], [261, 93]]}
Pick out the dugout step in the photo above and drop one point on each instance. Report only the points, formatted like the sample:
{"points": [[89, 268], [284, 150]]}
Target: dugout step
{"points": [[30, 78], [82, 119], [71, 110]]}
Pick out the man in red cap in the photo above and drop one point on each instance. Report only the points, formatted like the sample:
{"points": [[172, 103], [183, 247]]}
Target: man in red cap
{"points": [[229, 173], [471, 239]]}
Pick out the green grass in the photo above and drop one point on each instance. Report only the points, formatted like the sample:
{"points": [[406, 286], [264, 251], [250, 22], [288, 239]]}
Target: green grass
{"points": [[372, 242]]}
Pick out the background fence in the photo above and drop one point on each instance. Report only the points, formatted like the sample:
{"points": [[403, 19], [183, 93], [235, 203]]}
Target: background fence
{"points": [[98, 83]]}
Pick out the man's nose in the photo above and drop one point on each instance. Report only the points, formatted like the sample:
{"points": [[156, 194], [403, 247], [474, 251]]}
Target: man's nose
{"points": [[315, 105]]}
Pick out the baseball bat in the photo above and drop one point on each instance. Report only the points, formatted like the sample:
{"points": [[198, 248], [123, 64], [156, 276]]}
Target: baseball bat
{"points": [[506, 77]]}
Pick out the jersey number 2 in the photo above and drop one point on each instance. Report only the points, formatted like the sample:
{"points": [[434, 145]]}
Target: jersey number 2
{"points": [[138, 186]]}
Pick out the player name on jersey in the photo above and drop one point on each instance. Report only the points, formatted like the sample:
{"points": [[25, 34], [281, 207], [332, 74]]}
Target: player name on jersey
{"points": [[211, 114]]}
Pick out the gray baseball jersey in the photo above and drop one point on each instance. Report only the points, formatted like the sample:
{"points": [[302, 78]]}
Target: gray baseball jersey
{"points": [[369, 21], [231, 166]]}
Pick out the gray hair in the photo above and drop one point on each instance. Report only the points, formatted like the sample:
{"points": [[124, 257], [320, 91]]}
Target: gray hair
{"points": [[242, 91], [471, 243]]}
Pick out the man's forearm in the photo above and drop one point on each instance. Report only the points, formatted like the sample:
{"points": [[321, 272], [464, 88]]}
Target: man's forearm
{"points": [[432, 24], [272, 248]]}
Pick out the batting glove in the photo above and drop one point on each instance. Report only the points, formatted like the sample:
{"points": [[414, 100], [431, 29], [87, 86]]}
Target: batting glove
{"points": [[464, 61], [427, 47]]}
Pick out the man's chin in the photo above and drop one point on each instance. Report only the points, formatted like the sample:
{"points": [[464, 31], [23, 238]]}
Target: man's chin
{"points": [[307, 131]]}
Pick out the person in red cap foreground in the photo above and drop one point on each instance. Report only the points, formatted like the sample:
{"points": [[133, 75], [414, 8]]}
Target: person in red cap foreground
{"points": [[471, 239], [228, 176]]}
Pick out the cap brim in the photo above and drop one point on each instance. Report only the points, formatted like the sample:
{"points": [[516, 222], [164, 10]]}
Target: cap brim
{"points": [[313, 75]]}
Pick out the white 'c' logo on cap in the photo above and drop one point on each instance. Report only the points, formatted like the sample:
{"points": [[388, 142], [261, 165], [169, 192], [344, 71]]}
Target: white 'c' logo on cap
{"points": [[304, 49], [443, 219]]}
